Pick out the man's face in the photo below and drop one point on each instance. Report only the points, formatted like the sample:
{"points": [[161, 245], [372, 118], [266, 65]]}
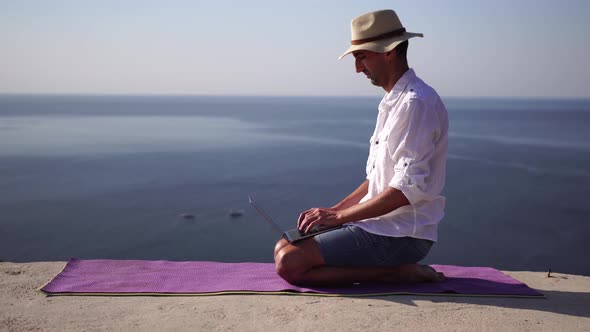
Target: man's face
{"points": [[371, 64]]}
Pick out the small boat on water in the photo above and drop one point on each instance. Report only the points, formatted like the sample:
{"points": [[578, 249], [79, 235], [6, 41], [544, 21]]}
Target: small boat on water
{"points": [[235, 213]]}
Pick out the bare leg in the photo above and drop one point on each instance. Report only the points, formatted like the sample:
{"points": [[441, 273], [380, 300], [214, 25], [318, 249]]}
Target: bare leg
{"points": [[403, 274], [302, 263], [279, 246]]}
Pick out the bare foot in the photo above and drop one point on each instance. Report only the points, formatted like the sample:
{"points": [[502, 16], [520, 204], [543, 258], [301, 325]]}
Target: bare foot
{"points": [[414, 273], [431, 275]]}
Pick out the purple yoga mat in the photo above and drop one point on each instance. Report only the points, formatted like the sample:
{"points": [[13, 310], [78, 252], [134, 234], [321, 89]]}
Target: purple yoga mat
{"points": [[125, 277]]}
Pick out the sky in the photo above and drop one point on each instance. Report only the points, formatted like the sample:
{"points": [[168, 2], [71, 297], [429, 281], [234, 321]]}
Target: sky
{"points": [[502, 48]]}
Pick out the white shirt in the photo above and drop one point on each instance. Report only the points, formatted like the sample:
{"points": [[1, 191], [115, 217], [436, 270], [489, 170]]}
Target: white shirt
{"points": [[408, 152]]}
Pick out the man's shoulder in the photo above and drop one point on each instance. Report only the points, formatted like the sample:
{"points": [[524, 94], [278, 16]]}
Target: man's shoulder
{"points": [[422, 96], [418, 89]]}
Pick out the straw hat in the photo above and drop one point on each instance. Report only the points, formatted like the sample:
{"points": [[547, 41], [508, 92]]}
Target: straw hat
{"points": [[379, 31]]}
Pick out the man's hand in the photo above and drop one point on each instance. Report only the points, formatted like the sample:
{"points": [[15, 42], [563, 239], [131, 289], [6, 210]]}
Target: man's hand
{"points": [[319, 218]]}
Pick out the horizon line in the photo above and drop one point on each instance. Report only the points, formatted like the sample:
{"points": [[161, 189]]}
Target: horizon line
{"points": [[23, 94]]}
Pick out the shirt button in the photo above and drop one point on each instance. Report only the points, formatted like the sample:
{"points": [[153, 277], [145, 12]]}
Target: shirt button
{"points": [[405, 164], [373, 166], [376, 142]]}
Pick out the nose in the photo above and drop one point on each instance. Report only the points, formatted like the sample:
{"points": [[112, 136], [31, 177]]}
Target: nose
{"points": [[358, 66]]}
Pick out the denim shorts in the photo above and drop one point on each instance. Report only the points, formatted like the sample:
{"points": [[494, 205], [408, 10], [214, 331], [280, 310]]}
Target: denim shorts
{"points": [[352, 246]]}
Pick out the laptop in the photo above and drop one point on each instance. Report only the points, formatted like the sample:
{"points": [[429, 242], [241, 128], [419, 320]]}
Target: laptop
{"points": [[292, 235]]}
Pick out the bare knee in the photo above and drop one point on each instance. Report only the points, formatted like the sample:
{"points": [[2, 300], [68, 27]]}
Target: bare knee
{"points": [[282, 243], [288, 267], [293, 261]]}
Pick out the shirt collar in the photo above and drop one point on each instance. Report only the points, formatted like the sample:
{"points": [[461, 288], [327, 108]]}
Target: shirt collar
{"points": [[391, 97]]}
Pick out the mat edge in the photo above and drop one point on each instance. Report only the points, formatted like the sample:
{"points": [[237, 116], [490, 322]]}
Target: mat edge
{"points": [[542, 296], [40, 288]]}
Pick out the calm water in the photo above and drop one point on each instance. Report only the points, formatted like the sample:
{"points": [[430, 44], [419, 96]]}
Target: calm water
{"points": [[109, 177]]}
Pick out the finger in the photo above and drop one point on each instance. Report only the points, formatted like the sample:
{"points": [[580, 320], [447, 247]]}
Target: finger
{"points": [[306, 214], [306, 221], [314, 222], [301, 221], [301, 217]]}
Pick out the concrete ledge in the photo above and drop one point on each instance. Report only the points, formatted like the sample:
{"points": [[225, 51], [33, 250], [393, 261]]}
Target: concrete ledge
{"points": [[24, 308]]}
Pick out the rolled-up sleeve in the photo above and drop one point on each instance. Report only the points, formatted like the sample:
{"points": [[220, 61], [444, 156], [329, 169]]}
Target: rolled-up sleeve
{"points": [[411, 148]]}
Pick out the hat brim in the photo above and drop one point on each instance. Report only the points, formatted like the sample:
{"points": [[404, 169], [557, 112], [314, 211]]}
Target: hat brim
{"points": [[383, 45]]}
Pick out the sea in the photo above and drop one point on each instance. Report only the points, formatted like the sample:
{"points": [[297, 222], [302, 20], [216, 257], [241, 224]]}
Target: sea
{"points": [[168, 177]]}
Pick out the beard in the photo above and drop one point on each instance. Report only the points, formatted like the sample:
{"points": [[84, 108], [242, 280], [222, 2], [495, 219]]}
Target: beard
{"points": [[371, 78]]}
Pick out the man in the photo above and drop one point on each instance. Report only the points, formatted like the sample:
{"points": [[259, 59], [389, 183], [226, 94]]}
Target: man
{"points": [[390, 221]]}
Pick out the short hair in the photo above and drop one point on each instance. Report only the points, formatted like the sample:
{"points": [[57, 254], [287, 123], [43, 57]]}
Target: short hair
{"points": [[402, 49]]}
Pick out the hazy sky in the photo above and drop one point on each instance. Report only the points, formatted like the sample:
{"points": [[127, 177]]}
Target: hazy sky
{"points": [[471, 48]]}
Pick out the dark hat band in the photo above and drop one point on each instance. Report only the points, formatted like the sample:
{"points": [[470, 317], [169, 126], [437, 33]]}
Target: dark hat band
{"points": [[394, 33]]}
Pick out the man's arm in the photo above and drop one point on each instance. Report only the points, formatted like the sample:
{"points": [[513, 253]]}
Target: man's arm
{"points": [[387, 201], [354, 198], [349, 201]]}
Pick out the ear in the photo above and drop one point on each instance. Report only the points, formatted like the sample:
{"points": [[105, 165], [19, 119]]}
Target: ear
{"points": [[390, 55]]}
